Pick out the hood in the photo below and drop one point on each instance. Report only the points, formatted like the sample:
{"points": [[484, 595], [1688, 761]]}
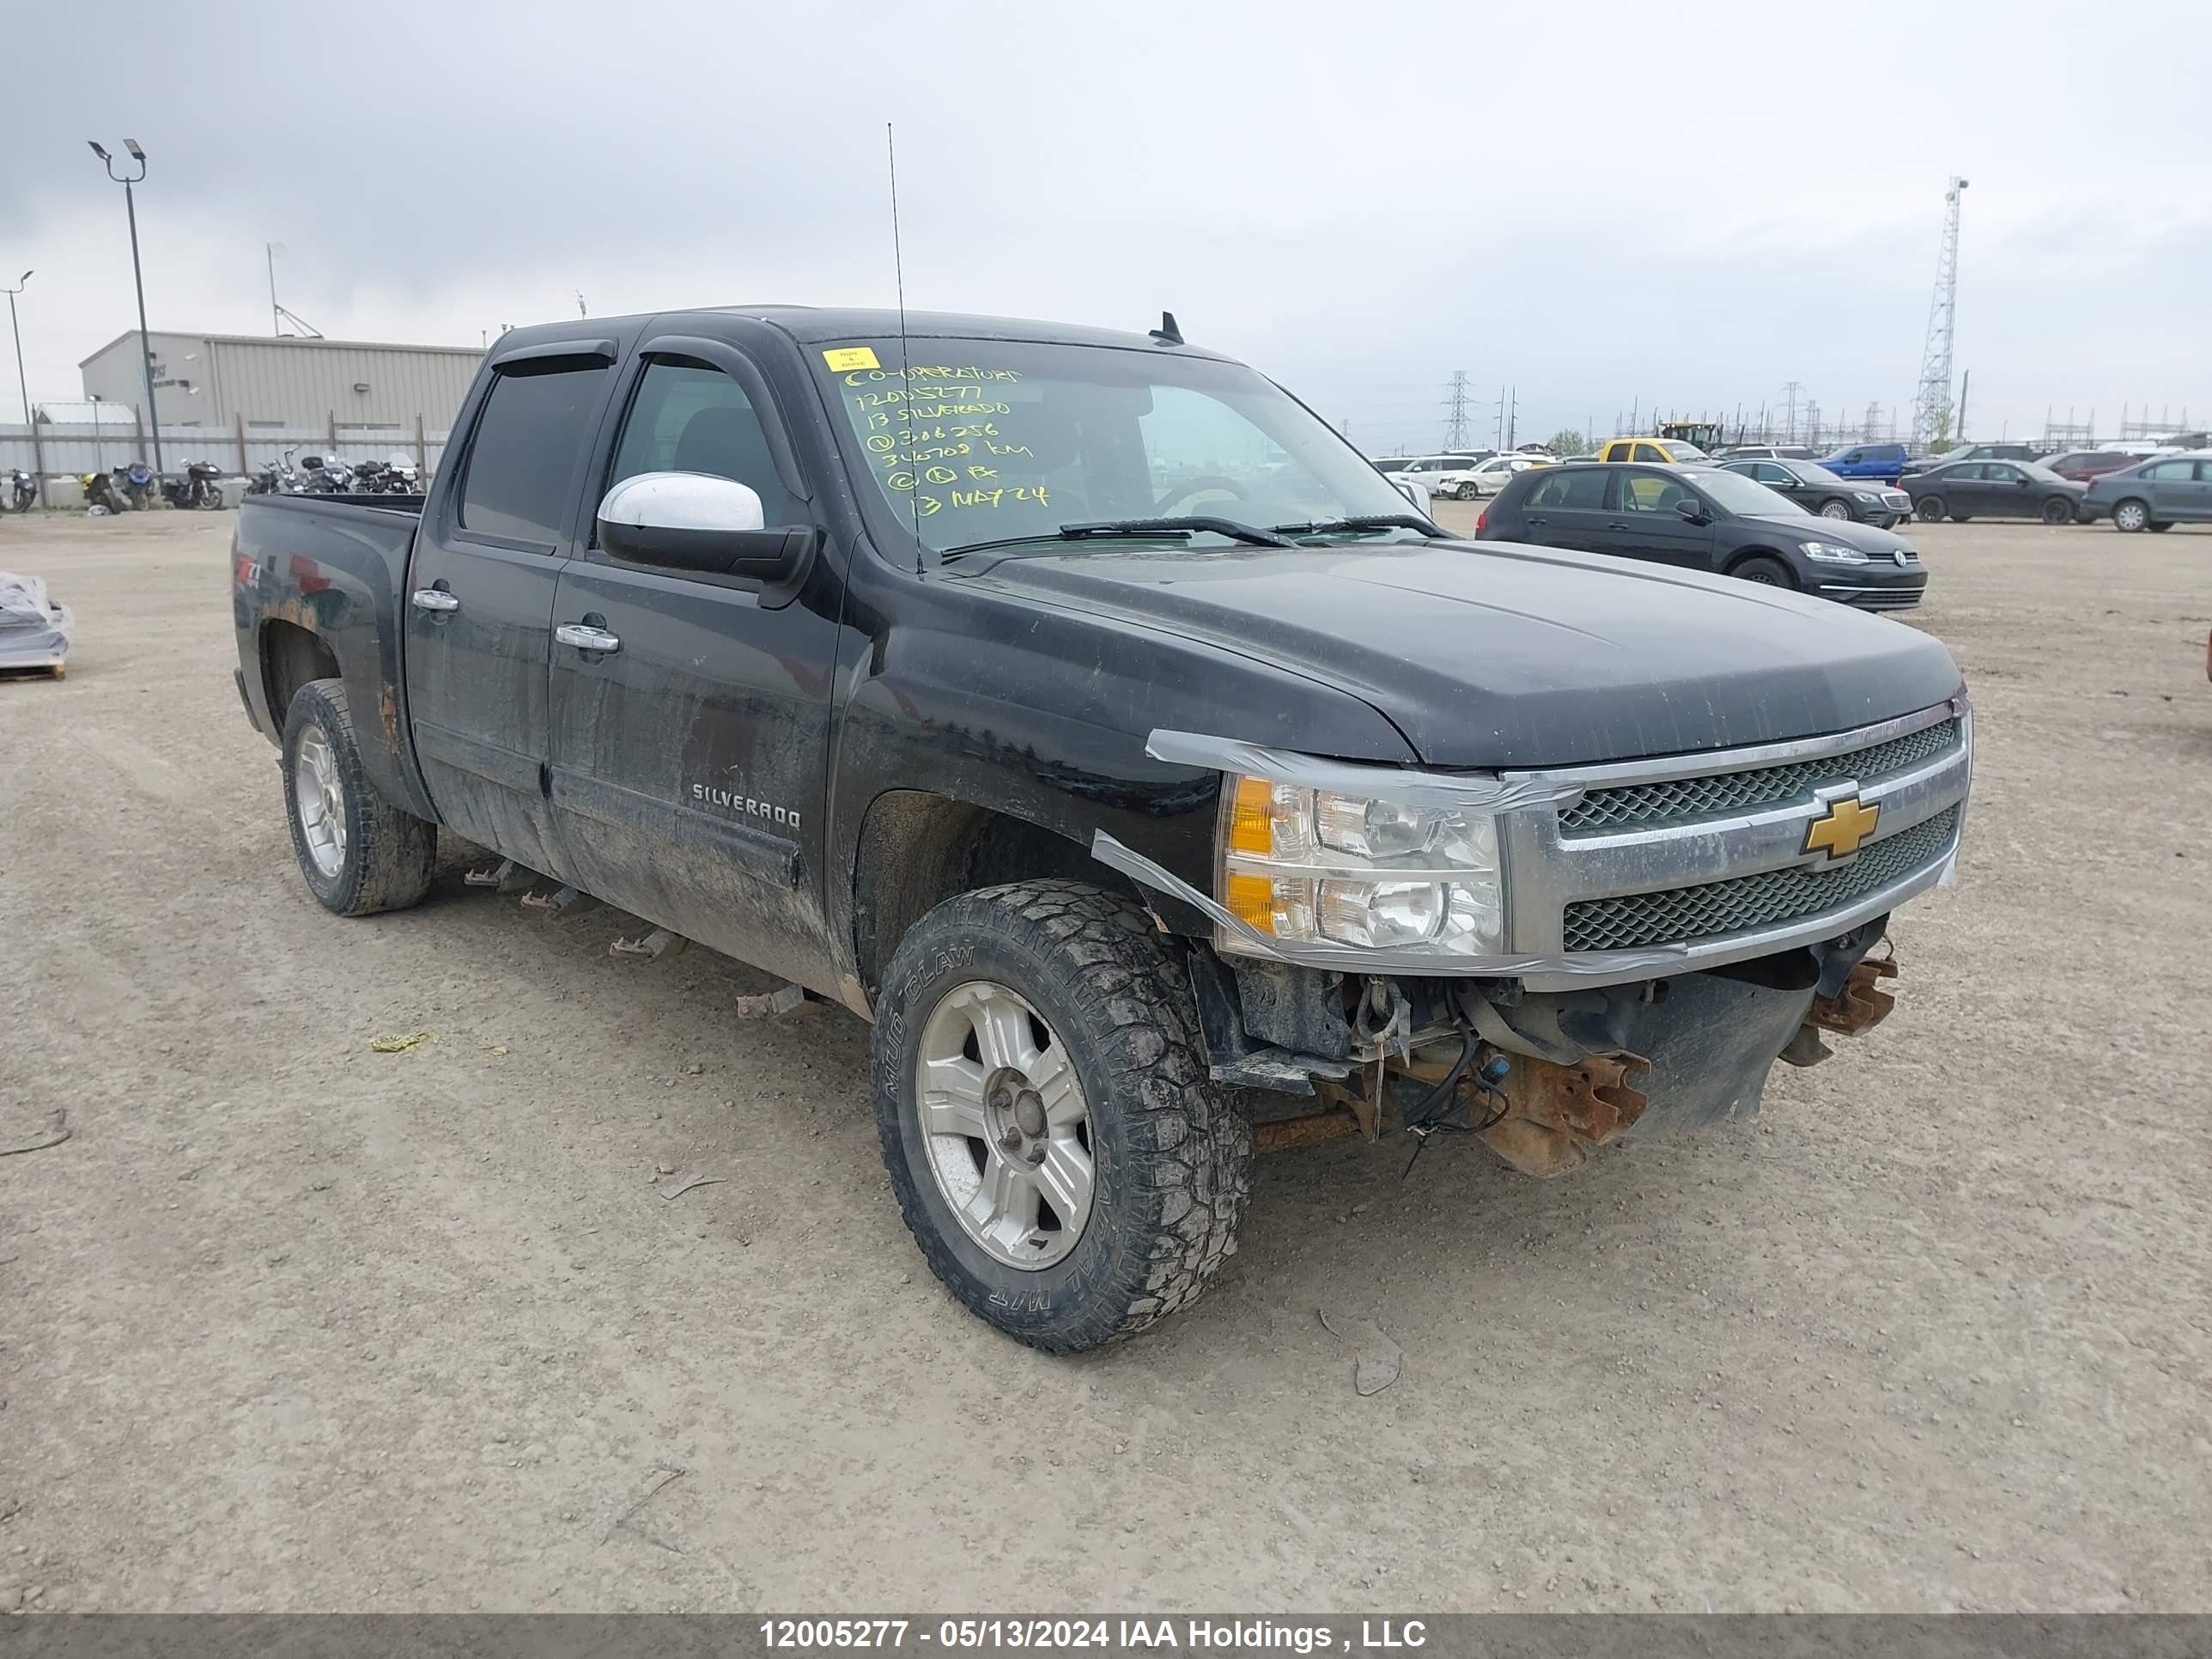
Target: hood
{"points": [[1495, 654], [1807, 527]]}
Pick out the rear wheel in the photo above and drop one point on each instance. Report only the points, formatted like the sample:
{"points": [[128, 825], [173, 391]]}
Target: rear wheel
{"points": [[1930, 509], [1468, 491], [1057, 1149], [1835, 509], [2130, 515], [1767, 572], [359, 853], [2058, 510]]}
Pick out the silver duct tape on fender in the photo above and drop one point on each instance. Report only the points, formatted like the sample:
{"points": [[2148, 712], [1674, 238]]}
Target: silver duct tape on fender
{"points": [[1434, 789], [1618, 965]]}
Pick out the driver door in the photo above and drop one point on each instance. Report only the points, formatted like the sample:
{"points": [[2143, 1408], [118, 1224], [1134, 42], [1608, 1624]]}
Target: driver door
{"points": [[1645, 522]]}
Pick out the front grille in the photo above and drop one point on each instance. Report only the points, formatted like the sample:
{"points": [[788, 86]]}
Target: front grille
{"points": [[1676, 800], [1743, 904]]}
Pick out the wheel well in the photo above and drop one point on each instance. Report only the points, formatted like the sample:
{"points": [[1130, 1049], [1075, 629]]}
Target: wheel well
{"points": [[918, 849], [291, 656], [1751, 553]]}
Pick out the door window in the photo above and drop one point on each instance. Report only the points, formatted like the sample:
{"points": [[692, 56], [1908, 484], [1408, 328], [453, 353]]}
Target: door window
{"points": [[528, 444], [1581, 490], [2174, 471], [1767, 473], [1650, 492], [689, 417], [1649, 452], [1998, 472]]}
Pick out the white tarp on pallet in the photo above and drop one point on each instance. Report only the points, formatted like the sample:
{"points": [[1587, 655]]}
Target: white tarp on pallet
{"points": [[34, 633]]}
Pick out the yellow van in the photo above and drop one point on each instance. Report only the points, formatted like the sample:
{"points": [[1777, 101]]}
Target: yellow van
{"points": [[1665, 451]]}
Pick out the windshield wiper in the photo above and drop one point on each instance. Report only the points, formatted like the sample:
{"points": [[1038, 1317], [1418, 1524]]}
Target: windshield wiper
{"points": [[1081, 532], [1190, 524], [1364, 522]]}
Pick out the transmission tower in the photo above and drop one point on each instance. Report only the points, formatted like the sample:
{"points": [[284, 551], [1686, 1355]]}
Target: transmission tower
{"points": [[1872, 430], [1931, 405], [1456, 422], [1790, 389]]}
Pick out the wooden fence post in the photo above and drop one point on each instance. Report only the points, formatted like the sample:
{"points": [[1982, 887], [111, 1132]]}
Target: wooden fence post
{"points": [[334, 434], [422, 450], [244, 468], [138, 431]]}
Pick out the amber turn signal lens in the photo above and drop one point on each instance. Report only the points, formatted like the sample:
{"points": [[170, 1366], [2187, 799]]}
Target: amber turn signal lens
{"points": [[1251, 899], [1251, 828]]}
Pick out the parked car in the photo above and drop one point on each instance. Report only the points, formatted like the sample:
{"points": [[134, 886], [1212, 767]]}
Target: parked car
{"points": [[1485, 477], [1996, 451], [1766, 453], [1662, 452], [1882, 461], [2154, 494], [1960, 490], [1139, 823], [1812, 487], [1709, 519], [1424, 470], [1387, 464], [2084, 464]]}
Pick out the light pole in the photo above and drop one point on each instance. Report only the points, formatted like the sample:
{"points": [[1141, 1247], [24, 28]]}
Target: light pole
{"points": [[16, 328], [145, 347]]}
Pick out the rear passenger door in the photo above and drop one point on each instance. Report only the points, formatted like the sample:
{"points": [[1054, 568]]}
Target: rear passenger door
{"points": [[2181, 491], [1566, 508], [479, 607], [688, 757]]}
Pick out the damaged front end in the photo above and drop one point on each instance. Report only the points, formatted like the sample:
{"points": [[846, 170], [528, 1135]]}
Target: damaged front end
{"points": [[1542, 1077], [1553, 960]]}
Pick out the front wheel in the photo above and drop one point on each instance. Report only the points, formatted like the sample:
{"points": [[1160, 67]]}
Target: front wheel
{"points": [[1767, 572], [2058, 510], [1928, 509], [1467, 492], [2130, 516], [1835, 509], [359, 853], [1056, 1147]]}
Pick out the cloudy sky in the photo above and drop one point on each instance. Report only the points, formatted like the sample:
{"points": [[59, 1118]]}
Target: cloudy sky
{"points": [[1601, 206]]}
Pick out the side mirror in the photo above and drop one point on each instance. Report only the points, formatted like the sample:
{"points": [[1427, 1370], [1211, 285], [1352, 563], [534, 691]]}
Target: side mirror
{"points": [[696, 522], [1691, 511]]}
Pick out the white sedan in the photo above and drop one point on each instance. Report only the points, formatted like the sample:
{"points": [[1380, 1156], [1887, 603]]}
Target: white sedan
{"points": [[1484, 477]]}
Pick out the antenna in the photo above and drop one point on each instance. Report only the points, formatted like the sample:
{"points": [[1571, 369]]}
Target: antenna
{"points": [[906, 366], [580, 312], [1931, 402]]}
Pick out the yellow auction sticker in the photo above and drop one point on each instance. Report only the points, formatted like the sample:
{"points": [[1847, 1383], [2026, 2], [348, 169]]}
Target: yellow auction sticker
{"points": [[841, 358]]}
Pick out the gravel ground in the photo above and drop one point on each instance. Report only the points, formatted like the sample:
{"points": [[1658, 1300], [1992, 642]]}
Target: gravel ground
{"points": [[290, 1324]]}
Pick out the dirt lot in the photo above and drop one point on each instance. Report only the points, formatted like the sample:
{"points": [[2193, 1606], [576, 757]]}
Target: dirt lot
{"points": [[290, 1324]]}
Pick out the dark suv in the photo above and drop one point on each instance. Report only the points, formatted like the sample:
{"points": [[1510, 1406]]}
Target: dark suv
{"points": [[1704, 518]]}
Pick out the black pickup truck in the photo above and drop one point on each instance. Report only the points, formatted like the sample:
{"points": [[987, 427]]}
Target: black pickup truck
{"points": [[1081, 710]]}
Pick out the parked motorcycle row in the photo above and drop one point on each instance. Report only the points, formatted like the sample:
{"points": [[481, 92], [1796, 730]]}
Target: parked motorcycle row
{"points": [[134, 487], [322, 475]]}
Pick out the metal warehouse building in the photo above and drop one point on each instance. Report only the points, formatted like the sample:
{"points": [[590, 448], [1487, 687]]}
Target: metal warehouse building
{"points": [[235, 382]]}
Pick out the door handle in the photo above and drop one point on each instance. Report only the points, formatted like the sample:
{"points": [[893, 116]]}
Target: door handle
{"points": [[434, 600], [1616, 525], [584, 637], [1533, 518]]}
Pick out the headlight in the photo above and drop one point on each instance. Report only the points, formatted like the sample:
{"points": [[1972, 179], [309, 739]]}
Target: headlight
{"points": [[1832, 553], [1318, 866], [1865, 494]]}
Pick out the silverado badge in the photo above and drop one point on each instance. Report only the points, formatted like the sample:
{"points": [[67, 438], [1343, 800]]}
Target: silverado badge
{"points": [[1841, 829]]}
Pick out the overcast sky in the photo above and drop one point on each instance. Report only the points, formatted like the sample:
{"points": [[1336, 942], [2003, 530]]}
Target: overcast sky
{"points": [[1684, 205]]}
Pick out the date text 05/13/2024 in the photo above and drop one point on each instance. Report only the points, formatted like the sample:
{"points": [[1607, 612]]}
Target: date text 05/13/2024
{"points": [[1096, 1635]]}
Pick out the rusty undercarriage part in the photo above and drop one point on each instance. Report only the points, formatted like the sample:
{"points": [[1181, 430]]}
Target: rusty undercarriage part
{"points": [[1860, 1006], [1555, 1114], [1285, 1135], [1857, 1008]]}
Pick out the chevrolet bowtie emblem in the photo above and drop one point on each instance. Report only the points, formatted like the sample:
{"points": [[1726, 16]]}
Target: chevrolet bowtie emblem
{"points": [[1843, 828]]}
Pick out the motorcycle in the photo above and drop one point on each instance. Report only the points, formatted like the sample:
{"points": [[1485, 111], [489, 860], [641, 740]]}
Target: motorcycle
{"points": [[137, 481], [325, 477], [197, 487], [23, 489], [397, 476], [101, 494], [275, 478]]}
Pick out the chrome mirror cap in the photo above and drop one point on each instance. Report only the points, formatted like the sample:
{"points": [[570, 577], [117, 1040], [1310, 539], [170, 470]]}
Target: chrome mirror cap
{"points": [[682, 501]]}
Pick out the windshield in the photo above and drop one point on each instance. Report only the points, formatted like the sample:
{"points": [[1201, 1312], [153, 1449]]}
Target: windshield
{"points": [[2039, 472], [1813, 473], [984, 441], [1747, 496], [1685, 451]]}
